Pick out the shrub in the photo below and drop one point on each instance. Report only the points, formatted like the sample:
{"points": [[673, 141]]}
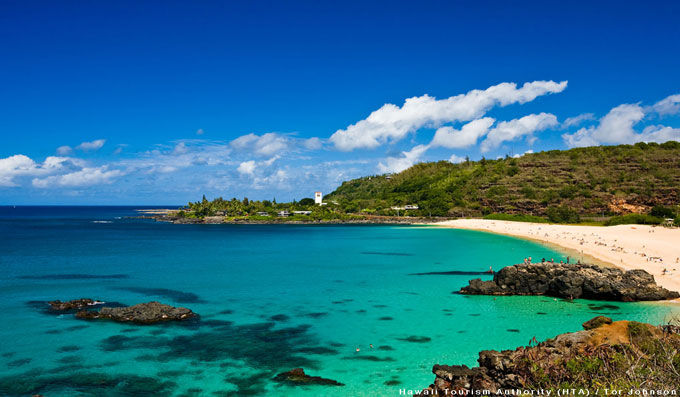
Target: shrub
{"points": [[516, 218], [563, 214], [662, 212], [634, 219]]}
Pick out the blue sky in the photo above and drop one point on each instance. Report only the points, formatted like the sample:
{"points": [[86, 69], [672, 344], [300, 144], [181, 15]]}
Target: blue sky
{"points": [[161, 102]]}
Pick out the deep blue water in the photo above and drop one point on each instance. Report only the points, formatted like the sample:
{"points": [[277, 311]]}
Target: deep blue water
{"points": [[271, 298]]}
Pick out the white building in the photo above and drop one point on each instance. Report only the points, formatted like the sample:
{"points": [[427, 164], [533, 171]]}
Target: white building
{"points": [[318, 198]]}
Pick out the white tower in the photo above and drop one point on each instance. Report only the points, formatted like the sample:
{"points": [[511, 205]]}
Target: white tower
{"points": [[318, 198]]}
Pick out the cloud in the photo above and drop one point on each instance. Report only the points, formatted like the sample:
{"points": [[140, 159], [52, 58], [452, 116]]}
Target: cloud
{"points": [[667, 106], [456, 159], [614, 128], [246, 167], [264, 145], [180, 148], [392, 123], [20, 165], [574, 121], [517, 155], [84, 177], [200, 131], [452, 138], [659, 134], [14, 166], [64, 150], [312, 143], [518, 128], [91, 146], [406, 160]]}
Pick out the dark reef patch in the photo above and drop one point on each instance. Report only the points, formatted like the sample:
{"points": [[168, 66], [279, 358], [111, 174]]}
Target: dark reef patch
{"points": [[380, 306], [68, 348], [386, 253], [75, 276], [315, 315], [369, 358], [248, 385], [172, 294], [18, 363], [226, 312], [386, 318], [279, 317], [260, 345], [541, 313], [513, 330], [70, 360], [317, 350], [85, 383], [385, 347], [416, 339], [453, 273], [392, 382]]}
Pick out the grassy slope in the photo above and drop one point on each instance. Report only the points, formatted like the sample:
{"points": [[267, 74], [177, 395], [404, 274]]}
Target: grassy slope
{"points": [[587, 179]]}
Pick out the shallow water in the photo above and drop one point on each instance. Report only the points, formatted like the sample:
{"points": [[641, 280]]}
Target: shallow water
{"points": [[271, 298]]}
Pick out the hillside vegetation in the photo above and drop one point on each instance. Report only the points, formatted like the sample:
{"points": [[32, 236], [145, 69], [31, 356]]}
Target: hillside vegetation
{"points": [[558, 184]]}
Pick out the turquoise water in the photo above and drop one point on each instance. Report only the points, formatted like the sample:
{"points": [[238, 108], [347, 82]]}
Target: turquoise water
{"points": [[271, 298]]}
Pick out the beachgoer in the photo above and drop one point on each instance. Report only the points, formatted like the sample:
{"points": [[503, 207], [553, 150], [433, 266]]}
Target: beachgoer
{"points": [[567, 260]]}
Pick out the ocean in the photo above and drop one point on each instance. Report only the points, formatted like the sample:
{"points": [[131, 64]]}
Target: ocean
{"points": [[270, 298]]}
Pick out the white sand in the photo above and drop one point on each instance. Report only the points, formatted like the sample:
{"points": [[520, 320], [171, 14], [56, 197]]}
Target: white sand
{"points": [[625, 246]]}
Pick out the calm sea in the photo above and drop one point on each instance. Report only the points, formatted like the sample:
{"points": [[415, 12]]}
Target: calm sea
{"points": [[271, 298]]}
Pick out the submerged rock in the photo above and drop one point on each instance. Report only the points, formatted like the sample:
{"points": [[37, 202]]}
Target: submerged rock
{"points": [[572, 281], [143, 313], [75, 304], [297, 377]]}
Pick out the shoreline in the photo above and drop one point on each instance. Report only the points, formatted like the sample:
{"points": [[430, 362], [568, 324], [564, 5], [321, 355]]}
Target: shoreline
{"points": [[624, 246]]}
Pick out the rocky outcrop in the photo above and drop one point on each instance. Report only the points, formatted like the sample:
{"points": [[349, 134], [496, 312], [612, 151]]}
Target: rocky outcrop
{"points": [[75, 304], [297, 377], [572, 281], [596, 322], [565, 360], [143, 313]]}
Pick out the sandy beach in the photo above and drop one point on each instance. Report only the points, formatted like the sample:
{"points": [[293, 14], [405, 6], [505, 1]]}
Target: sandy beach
{"points": [[625, 246]]}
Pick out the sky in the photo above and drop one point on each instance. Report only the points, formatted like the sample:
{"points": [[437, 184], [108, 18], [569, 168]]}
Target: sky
{"points": [[160, 102]]}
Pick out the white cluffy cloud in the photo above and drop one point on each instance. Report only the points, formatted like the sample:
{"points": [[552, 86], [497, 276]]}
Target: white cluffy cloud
{"points": [[518, 128], [393, 123], [471, 132], [263, 145], [86, 176], [618, 126], [406, 160], [91, 146], [467, 136], [20, 165], [667, 106]]}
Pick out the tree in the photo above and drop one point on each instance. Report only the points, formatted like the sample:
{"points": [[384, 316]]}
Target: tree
{"points": [[662, 212], [563, 214], [306, 201]]}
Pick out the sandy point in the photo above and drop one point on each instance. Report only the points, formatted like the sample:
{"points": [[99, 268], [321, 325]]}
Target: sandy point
{"points": [[652, 248]]}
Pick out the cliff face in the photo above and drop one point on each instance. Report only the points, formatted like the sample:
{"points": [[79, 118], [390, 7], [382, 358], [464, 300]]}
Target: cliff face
{"points": [[572, 281], [620, 355]]}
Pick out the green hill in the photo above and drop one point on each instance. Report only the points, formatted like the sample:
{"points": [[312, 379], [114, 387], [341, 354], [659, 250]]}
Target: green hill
{"points": [[592, 181]]}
